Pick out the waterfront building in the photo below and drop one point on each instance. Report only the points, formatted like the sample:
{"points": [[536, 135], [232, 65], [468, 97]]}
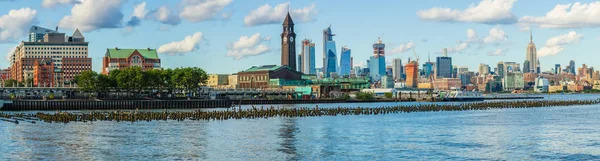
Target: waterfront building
{"points": [[541, 84], [526, 66], [447, 83], [387, 82], [345, 61], [443, 66], [329, 53], [259, 76], [117, 58], [513, 81], [377, 62], [288, 43], [43, 73], [412, 74], [397, 69], [217, 80], [557, 69], [69, 54], [531, 57], [500, 69], [232, 81], [484, 69], [308, 57]]}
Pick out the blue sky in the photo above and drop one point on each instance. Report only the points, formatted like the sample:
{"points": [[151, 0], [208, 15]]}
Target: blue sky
{"points": [[226, 36]]}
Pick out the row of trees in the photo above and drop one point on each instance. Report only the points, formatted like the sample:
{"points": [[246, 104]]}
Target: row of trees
{"points": [[135, 79]]}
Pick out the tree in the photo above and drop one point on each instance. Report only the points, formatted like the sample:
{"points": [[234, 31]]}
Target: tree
{"points": [[87, 81], [388, 94], [103, 83], [11, 83]]}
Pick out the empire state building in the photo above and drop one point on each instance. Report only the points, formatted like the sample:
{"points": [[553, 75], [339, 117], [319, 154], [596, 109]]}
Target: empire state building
{"points": [[531, 56]]}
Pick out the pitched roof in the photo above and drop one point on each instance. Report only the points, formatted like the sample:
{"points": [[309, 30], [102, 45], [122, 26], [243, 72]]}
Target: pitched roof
{"points": [[288, 20], [125, 53], [77, 34]]}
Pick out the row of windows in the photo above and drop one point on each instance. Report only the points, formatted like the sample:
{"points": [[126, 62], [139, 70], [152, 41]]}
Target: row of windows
{"points": [[53, 48], [257, 78], [55, 52], [55, 56]]}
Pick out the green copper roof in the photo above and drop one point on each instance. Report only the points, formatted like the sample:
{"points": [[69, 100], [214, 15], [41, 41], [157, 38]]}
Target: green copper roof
{"points": [[263, 68], [125, 53]]}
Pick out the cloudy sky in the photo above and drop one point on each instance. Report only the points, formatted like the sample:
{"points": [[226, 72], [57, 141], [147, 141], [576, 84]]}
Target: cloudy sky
{"points": [[223, 36]]}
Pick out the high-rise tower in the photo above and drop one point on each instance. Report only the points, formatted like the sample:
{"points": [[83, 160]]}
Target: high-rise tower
{"points": [[531, 55], [288, 45], [329, 53]]}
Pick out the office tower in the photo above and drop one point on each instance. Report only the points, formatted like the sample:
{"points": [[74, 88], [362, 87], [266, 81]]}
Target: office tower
{"points": [[500, 69], [308, 57], [345, 61], [484, 69], [300, 64], [462, 69], [329, 53], [443, 66], [557, 69], [526, 66], [288, 45], [412, 74], [572, 67], [67, 54], [377, 61], [397, 69], [531, 56]]}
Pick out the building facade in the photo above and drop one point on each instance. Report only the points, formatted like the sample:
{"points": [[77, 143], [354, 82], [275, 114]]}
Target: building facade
{"points": [[531, 56], [377, 62], [217, 80], [43, 73], [288, 43], [308, 57], [345, 61], [557, 69], [484, 69], [443, 67], [69, 55], [260, 76], [397, 69], [329, 53], [412, 74], [513, 81], [116, 58], [500, 69]]}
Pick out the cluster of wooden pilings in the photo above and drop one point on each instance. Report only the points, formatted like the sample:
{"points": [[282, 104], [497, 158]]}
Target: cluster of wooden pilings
{"points": [[262, 112]]}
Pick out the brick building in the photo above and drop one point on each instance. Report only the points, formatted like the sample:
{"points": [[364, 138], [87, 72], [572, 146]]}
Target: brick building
{"points": [[116, 58], [43, 73], [259, 76]]}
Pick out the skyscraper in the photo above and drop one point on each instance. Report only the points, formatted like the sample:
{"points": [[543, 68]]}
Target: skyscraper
{"points": [[412, 74], [308, 57], [484, 69], [531, 56], [345, 61], [443, 67], [526, 66], [557, 69], [572, 67], [377, 61], [397, 69], [501, 70], [288, 45], [329, 53]]}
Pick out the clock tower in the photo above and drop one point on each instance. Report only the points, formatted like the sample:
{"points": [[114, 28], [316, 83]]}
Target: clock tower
{"points": [[288, 44]]}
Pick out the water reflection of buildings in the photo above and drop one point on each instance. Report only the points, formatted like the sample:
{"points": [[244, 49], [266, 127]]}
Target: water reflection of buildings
{"points": [[288, 133]]}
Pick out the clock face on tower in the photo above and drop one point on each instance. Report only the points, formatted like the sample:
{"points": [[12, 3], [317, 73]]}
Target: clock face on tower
{"points": [[284, 39], [291, 39]]}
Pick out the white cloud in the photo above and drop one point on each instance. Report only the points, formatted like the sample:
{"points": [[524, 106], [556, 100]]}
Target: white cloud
{"points": [[140, 11], [486, 12], [165, 16], [271, 15], [188, 44], [248, 46], [459, 47], [202, 10], [14, 24], [498, 52], [54, 3], [577, 15], [556, 44], [472, 35], [402, 48], [91, 15], [496, 34], [162, 14], [9, 54]]}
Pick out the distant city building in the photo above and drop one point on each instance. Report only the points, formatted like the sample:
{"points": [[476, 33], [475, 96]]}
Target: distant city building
{"points": [[462, 69], [484, 69], [527, 66], [345, 61], [500, 69], [412, 74], [377, 62], [465, 78], [541, 84], [397, 69], [307, 63], [387, 82], [510, 67], [232, 81], [288, 44], [217, 80], [443, 67], [557, 69], [329, 53], [513, 81], [69, 54], [532, 57], [448, 83], [428, 69], [122, 58], [572, 67]]}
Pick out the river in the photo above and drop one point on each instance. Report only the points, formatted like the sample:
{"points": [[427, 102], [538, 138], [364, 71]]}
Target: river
{"points": [[553, 133]]}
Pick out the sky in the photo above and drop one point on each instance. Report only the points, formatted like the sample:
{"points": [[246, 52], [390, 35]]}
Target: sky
{"points": [[227, 36]]}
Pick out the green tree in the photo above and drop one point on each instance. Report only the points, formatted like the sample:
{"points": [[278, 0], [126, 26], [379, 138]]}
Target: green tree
{"points": [[12, 83], [87, 81], [388, 95], [103, 84]]}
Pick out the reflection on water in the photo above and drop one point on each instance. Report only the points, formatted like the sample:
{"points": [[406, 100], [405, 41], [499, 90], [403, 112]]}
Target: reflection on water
{"points": [[555, 133]]}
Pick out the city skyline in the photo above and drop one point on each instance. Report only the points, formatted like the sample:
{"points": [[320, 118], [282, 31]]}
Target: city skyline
{"points": [[240, 34]]}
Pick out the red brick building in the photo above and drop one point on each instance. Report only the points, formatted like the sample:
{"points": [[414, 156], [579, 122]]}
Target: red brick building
{"points": [[258, 77], [43, 73], [5, 74], [122, 58]]}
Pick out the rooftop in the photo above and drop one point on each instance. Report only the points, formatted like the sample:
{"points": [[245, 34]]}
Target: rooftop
{"points": [[125, 53], [263, 68]]}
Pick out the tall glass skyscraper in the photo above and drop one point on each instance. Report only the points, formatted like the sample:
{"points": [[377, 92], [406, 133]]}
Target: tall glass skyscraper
{"points": [[308, 57], [345, 61], [329, 53], [377, 62], [443, 67]]}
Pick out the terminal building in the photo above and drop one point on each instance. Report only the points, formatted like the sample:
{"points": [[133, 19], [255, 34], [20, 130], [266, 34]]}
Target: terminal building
{"points": [[116, 58]]}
